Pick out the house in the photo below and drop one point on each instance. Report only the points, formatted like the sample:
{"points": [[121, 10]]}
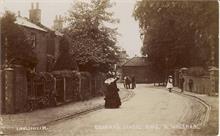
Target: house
{"points": [[138, 67], [45, 41]]}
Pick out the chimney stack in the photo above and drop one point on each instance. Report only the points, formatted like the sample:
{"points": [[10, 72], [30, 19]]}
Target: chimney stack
{"points": [[58, 23], [19, 13], [35, 14], [32, 5], [37, 5]]}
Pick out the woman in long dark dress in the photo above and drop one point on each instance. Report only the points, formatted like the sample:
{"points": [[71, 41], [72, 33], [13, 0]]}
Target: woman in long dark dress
{"points": [[112, 99]]}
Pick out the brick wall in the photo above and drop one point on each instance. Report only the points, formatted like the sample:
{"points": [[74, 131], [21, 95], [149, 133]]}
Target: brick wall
{"points": [[20, 88], [13, 89]]}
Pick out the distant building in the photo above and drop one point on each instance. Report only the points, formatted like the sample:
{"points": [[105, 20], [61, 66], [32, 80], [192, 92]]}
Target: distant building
{"points": [[138, 67], [45, 41], [123, 57]]}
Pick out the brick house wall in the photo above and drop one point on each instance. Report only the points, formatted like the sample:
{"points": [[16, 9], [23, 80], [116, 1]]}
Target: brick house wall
{"points": [[138, 67], [139, 72], [39, 46], [142, 73], [45, 45]]}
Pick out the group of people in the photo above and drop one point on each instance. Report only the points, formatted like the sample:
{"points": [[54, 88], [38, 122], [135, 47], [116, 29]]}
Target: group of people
{"points": [[112, 99], [129, 82]]}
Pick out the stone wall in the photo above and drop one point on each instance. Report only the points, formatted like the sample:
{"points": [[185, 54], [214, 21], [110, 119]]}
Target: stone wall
{"points": [[206, 84], [200, 85]]}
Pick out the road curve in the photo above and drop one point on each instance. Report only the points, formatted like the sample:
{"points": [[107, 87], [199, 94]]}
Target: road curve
{"points": [[152, 111]]}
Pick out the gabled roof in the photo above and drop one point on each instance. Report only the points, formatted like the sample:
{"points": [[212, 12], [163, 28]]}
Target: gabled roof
{"points": [[27, 23], [136, 61]]}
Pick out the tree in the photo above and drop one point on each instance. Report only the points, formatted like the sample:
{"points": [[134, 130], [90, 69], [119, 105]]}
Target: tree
{"points": [[19, 50], [178, 33], [65, 61], [93, 42]]}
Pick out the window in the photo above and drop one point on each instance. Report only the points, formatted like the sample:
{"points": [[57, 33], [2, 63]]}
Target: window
{"points": [[33, 40]]}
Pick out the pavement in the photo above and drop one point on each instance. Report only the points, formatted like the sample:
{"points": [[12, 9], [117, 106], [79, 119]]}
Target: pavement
{"points": [[212, 103], [39, 119], [212, 120], [153, 111]]}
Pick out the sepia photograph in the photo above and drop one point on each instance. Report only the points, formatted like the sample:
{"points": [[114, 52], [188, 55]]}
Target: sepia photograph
{"points": [[109, 67]]}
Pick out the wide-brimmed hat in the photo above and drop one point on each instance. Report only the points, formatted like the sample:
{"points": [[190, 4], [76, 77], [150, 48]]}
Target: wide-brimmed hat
{"points": [[170, 76], [109, 80]]}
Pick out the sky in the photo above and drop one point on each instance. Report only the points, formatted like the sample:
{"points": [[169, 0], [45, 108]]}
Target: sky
{"points": [[129, 38]]}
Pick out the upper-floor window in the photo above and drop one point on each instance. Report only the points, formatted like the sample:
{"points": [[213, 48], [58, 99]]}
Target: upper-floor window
{"points": [[33, 40]]}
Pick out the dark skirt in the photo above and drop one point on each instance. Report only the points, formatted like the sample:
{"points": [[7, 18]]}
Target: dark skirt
{"points": [[112, 101]]}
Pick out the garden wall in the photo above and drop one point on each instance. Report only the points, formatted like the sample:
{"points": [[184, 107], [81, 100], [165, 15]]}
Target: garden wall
{"points": [[22, 91]]}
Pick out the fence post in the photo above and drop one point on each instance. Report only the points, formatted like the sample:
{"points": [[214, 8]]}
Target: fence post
{"points": [[80, 85], [213, 77], [55, 84], [95, 86], [64, 89], [90, 84]]}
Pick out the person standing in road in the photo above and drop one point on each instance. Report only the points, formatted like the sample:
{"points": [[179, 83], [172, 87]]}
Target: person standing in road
{"points": [[133, 82], [181, 81], [170, 83], [125, 78]]}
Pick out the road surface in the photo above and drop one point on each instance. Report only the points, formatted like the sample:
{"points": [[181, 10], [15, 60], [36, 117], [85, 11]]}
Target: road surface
{"points": [[151, 112]]}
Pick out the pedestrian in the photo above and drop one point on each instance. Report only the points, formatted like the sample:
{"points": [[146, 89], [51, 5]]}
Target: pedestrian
{"points": [[128, 82], [190, 85], [125, 82], [181, 83], [112, 99], [170, 83], [133, 82]]}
